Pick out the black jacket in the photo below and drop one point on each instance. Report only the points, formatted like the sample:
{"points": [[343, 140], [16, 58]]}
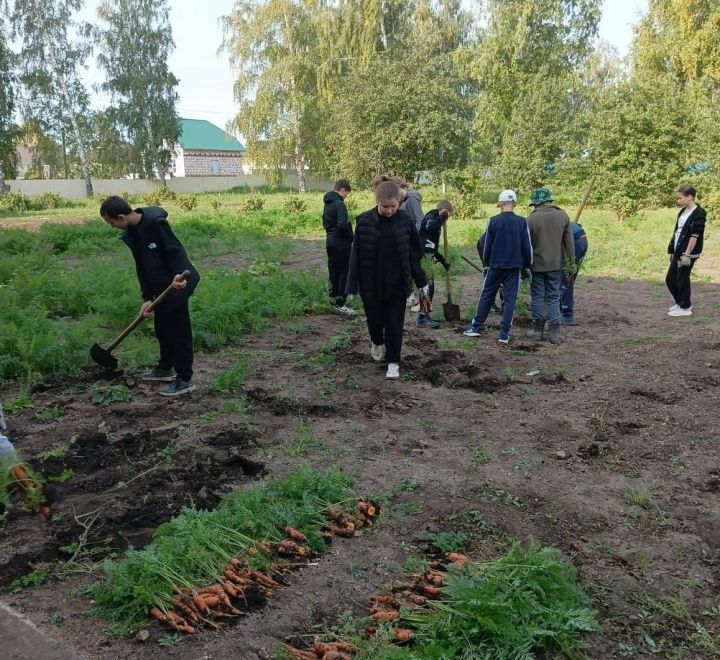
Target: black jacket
{"points": [[430, 230], [694, 226], [158, 254], [363, 259], [335, 218]]}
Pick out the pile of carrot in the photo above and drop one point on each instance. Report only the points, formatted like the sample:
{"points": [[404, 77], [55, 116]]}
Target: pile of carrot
{"points": [[228, 598], [324, 651], [31, 491], [383, 608]]}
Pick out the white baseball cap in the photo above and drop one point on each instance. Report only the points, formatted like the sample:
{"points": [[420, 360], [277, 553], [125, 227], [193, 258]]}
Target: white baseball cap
{"points": [[507, 196]]}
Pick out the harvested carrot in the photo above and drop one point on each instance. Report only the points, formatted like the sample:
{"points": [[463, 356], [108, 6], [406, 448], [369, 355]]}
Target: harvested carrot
{"points": [[342, 531], [394, 615], [334, 512], [199, 602], [261, 577], [230, 589], [379, 598], [295, 535], [155, 612], [188, 630], [236, 563], [416, 599], [337, 655], [211, 601], [289, 547], [431, 592], [264, 546], [371, 630], [458, 559], [174, 617], [327, 537], [187, 612], [402, 634], [300, 655]]}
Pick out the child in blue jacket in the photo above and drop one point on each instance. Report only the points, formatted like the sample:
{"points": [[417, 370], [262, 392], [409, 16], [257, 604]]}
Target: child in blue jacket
{"points": [[507, 251], [567, 304]]}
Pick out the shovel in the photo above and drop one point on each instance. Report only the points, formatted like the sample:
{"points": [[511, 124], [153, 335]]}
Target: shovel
{"points": [[104, 356], [475, 266], [451, 312]]}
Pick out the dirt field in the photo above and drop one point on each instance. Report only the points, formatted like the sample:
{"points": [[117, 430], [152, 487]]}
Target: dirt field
{"points": [[609, 451]]}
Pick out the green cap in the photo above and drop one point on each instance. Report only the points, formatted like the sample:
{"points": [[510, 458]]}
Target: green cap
{"points": [[540, 196]]}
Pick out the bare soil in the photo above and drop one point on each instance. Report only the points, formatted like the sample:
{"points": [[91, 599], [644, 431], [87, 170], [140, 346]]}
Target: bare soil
{"points": [[608, 451]]}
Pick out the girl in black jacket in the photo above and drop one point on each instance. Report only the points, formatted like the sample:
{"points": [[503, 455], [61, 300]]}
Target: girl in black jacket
{"points": [[685, 247], [384, 264]]}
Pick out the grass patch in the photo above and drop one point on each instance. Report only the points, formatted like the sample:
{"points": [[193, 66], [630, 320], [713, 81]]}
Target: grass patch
{"points": [[106, 395], [231, 380]]}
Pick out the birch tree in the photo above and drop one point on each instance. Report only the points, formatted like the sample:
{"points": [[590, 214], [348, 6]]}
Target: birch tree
{"points": [[52, 56], [136, 41], [7, 106]]}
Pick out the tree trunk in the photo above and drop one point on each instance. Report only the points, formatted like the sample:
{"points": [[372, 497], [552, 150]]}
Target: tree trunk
{"points": [[160, 170], [300, 169], [3, 186]]}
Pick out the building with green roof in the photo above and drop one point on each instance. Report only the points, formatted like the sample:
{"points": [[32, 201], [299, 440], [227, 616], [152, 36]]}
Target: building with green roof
{"points": [[203, 149]]}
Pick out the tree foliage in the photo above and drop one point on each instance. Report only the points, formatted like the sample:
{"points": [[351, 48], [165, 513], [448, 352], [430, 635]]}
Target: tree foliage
{"points": [[136, 41], [8, 131]]}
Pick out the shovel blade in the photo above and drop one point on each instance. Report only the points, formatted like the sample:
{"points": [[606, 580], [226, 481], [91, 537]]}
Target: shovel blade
{"points": [[103, 357], [451, 312]]}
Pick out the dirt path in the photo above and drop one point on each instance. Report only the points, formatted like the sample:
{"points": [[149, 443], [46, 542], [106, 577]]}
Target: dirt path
{"points": [[608, 453]]}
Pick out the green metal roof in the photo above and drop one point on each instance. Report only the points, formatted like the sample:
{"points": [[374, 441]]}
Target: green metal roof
{"points": [[200, 134]]}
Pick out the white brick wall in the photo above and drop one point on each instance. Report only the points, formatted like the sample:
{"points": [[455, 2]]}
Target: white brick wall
{"points": [[208, 163]]}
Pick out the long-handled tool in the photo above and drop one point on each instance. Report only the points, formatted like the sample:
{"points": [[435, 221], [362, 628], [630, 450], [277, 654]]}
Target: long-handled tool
{"points": [[585, 198], [475, 266], [451, 312], [104, 356]]}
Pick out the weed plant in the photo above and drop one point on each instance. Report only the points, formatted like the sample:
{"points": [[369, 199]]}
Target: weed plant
{"points": [[191, 549]]}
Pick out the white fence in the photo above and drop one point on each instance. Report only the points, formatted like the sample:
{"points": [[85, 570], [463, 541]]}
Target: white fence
{"points": [[75, 188]]}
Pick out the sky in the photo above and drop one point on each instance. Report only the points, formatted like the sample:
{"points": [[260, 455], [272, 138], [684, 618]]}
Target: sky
{"points": [[206, 79]]}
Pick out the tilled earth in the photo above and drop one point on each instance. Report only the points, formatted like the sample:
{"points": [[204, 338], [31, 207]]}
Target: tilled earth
{"points": [[605, 447]]}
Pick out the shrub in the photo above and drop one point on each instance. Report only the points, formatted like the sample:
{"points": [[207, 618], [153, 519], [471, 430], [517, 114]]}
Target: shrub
{"points": [[466, 205], [215, 203], [711, 203], [253, 203], [352, 203], [48, 200], [15, 201], [187, 202], [294, 204], [158, 196]]}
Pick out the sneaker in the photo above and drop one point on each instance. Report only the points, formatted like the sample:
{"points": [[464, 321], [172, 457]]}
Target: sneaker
{"points": [[345, 310], [673, 308], [377, 351], [393, 370], [503, 337], [474, 331], [428, 322], [415, 308], [496, 309], [568, 320], [680, 311], [412, 300], [158, 375], [177, 388]]}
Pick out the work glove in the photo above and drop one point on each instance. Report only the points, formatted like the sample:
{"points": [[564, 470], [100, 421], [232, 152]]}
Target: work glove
{"points": [[525, 274], [425, 291], [425, 307], [684, 261]]}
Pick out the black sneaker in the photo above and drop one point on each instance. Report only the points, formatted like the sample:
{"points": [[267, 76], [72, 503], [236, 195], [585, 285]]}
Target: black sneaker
{"points": [[428, 322], [178, 387], [158, 375]]}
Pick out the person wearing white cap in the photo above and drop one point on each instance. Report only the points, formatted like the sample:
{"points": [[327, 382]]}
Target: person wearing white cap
{"points": [[507, 252]]}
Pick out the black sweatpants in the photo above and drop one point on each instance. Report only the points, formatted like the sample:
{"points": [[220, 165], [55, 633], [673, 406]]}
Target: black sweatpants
{"points": [[174, 334], [338, 255], [678, 282], [385, 321]]}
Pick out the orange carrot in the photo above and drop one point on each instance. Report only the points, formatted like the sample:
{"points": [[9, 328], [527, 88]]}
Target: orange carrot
{"points": [[261, 577], [264, 546], [289, 547], [199, 602], [175, 618], [187, 612], [295, 535], [230, 589], [457, 558], [211, 601], [236, 563], [188, 630], [327, 537], [431, 592], [371, 630], [336, 655], [386, 616], [402, 634], [388, 600], [416, 599], [155, 612], [342, 531]]}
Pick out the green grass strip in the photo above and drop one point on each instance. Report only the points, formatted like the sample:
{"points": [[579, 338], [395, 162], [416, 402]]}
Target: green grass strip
{"points": [[192, 549]]}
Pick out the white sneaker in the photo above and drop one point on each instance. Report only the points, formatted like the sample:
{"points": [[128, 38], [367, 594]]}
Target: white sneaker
{"points": [[377, 351], [415, 308], [680, 312], [347, 311], [393, 370], [673, 308]]}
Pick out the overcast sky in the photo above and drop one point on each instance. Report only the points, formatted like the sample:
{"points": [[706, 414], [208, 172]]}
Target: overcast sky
{"points": [[206, 79]]}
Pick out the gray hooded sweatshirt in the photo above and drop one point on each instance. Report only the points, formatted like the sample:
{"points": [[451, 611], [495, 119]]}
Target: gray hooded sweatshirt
{"points": [[412, 205]]}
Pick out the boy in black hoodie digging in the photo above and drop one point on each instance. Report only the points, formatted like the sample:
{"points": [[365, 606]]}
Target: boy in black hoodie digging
{"points": [[159, 260], [430, 230], [338, 243]]}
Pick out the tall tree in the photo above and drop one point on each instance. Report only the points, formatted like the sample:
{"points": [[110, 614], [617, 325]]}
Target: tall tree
{"points": [[527, 66], [275, 50], [52, 55], [136, 43], [8, 131]]}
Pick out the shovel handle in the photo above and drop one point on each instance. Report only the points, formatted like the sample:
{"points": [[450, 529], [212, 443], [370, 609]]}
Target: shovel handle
{"points": [[183, 276], [475, 266], [585, 198], [447, 271]]}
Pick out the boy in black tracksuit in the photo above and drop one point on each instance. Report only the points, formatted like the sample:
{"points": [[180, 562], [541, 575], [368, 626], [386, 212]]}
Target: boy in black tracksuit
{"points": [[160, 258], [338, 243], [384, 264], [430, 229]]}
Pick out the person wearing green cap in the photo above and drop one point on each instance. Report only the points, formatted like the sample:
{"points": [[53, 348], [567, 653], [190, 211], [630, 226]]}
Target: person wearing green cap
{"points": [[553, 248]]}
